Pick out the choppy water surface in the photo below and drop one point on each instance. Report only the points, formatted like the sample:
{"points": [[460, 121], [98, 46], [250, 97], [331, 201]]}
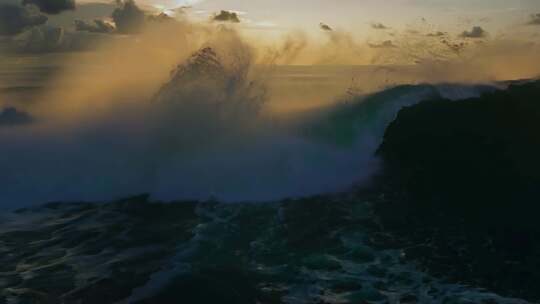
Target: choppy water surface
{"points": [[318, 250]]}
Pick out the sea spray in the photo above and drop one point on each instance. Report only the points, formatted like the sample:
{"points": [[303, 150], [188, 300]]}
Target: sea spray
{"points": [[204, 134]]}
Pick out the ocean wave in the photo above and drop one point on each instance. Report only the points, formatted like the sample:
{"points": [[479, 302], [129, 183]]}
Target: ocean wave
{"points": [[204, 136]]}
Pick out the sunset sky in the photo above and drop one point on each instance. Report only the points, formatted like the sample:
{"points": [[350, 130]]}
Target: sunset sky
{"points": [[358, 32], [452, 15], [359, 14]]}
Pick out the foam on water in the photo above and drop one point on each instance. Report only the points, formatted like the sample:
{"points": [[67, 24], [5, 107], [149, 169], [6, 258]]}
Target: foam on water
{"points": [[115, 251]]}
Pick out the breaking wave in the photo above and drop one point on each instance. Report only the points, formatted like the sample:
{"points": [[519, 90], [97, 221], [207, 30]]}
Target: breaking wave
{"points": [[205, 136]]}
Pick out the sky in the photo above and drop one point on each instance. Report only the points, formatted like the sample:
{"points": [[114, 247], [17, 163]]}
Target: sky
{"points": [[344, 31], [357, 15]]}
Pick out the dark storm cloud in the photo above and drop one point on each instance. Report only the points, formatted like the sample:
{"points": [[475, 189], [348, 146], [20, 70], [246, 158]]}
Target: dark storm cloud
{"points": [[95, 26], [52, 7], [12, 117], [379, 26], [384, 45], [475, 32], [325, 27], [535, 19], [128, 17], [14, 19], [226, 16]]}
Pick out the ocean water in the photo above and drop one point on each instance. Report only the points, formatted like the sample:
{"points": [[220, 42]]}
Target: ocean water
{"points": [[316, 250], [303, 131]]}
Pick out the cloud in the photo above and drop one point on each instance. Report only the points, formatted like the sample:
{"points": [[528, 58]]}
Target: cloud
{"points": [[128, 17], [52, 7], [162, 17], [379, 26], [535, 19], [437, 34], [50, 39], [475, 32], [383, 45], [15, 19], [12, 117], [94, 26], [41, 39], [325, 27], [226, 16]]}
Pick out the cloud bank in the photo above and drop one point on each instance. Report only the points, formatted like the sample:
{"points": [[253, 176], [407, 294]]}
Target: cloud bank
{"points": [[52, 7], [15, 19]]}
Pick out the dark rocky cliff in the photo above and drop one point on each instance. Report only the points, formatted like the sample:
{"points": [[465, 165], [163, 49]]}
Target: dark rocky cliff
{"points": [[463, 179]]}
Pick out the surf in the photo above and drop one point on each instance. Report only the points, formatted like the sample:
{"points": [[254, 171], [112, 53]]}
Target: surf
{"points": [[204, 135]]}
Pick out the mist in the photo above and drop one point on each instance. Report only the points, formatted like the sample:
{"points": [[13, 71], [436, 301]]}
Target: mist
{"points": [[130, 122], [116, 121]]}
